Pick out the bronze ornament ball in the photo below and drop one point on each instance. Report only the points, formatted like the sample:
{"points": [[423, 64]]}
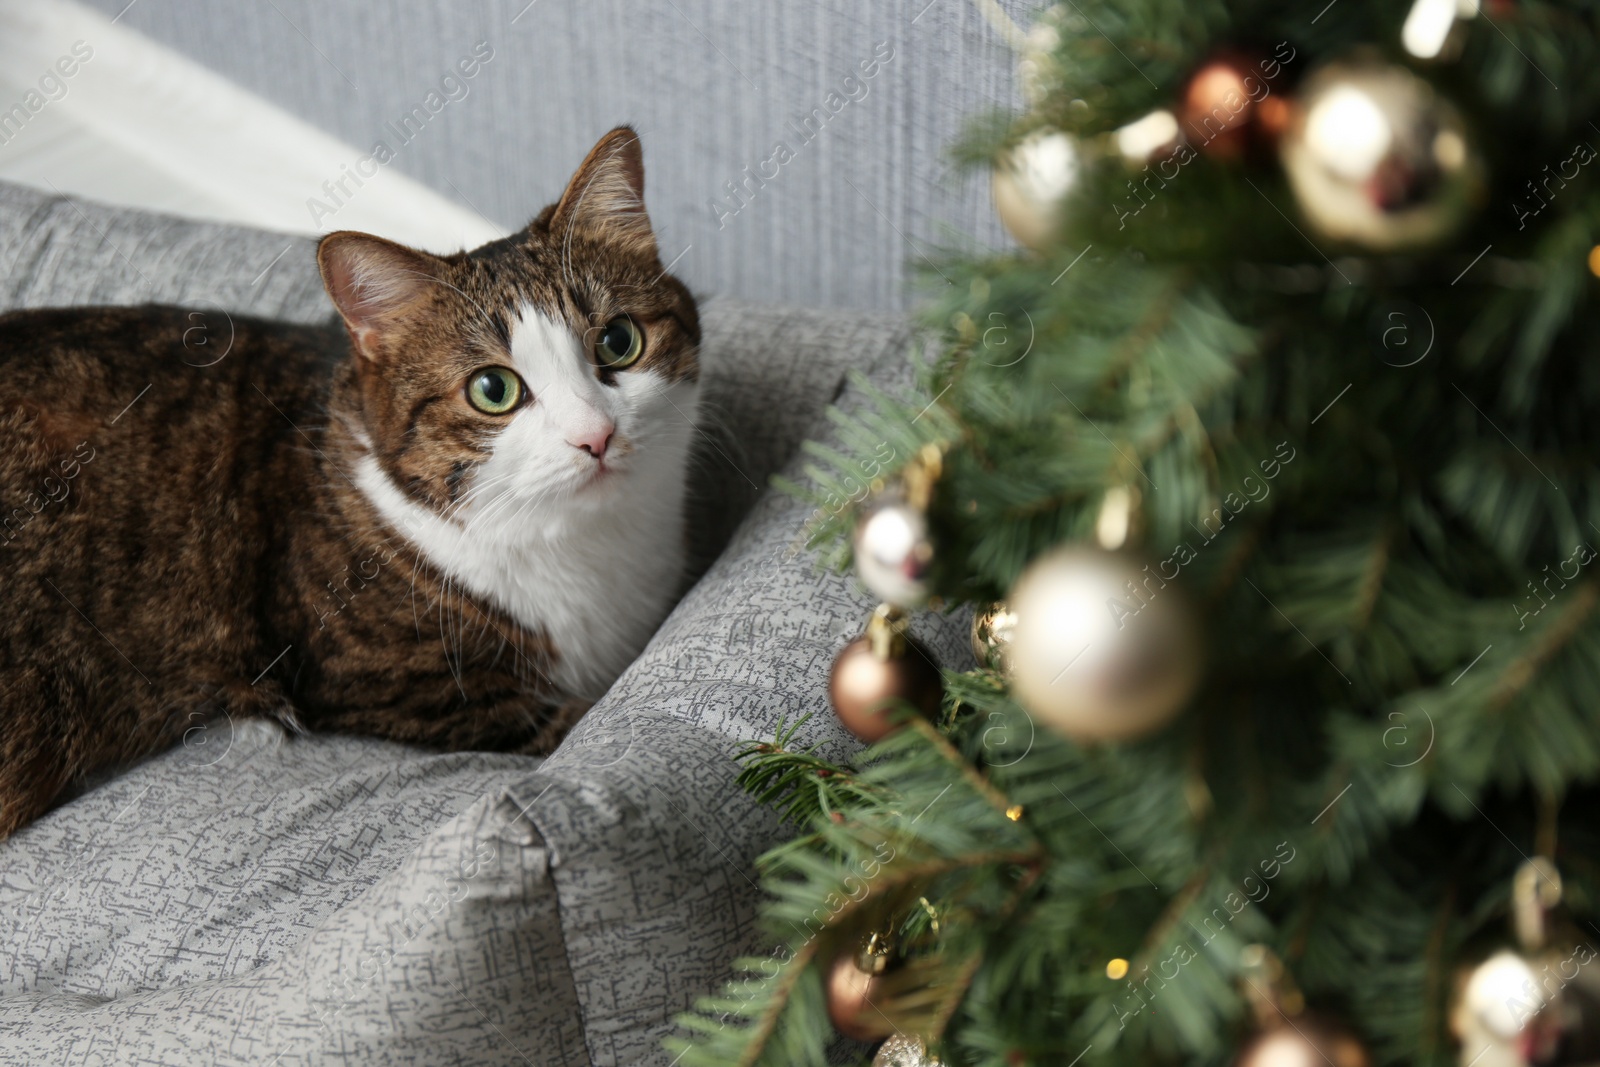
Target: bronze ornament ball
{"points": [[1221, 111], [850, 991], [866, 686], [1307, 1040]]}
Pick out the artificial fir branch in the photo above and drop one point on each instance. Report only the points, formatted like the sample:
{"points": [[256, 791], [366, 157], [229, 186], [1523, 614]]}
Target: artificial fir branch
{"points": [[800, 784], [1522, 670], [1236, 561], [881, 815], [1372, 579], [1433, 989], [769, 1018], [1380, 701], [1157, 316], [959, 764]]}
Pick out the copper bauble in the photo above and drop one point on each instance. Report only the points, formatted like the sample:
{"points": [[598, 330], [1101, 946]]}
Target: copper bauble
{"points": [[851, 988], [1306, 1040], [869, 683], [1220, 112], [1103, 648], [1375, 156]]}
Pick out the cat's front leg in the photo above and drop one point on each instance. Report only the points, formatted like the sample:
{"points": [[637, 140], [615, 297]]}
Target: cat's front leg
{"points": [[566, 715]]}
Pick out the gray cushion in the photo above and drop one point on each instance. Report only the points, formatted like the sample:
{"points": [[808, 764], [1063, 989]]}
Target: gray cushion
{"points": [[248, 896]]}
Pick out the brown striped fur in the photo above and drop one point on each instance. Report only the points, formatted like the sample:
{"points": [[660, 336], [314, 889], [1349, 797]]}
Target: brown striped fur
{"points": [[181, 533]]}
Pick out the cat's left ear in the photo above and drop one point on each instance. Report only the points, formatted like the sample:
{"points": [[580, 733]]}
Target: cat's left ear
{"points": [[377, 285], [606, 195]]}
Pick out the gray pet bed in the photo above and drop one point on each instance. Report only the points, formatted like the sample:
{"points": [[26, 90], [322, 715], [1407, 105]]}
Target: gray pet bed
{"points": [[254, 898]]}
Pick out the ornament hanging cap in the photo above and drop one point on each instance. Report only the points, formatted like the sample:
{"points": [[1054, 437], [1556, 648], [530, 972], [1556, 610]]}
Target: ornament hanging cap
{"points": [[1535, 892], [876, 953], [1119, 518], [1272, 993], [921, 474], [886, 632]]}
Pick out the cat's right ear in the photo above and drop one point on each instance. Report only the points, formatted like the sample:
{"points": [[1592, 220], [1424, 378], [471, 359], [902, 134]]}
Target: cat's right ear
{"points": [[375, 284]]}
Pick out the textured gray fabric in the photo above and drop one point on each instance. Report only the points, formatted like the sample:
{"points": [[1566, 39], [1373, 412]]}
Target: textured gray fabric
{"points": [[254, 899], [251, 898], [58, 251], [713, 86]]}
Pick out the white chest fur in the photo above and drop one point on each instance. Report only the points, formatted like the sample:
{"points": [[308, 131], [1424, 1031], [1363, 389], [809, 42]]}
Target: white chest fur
{"points": [[598, 585]]}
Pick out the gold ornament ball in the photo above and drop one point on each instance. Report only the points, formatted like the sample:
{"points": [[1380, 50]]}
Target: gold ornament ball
{"points": [[1376, 157], [865, 687], [893, 551], [850, 991], [991, 634], [1030, 183], [903, 1050], [1311, 1041], [1103, 649]]}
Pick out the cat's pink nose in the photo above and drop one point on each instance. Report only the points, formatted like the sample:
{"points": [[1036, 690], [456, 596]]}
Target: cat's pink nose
{"points": [[594, 439]]}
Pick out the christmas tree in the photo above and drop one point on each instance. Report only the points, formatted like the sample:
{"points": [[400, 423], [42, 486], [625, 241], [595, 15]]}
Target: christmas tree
{"points": [[1268, 471]]}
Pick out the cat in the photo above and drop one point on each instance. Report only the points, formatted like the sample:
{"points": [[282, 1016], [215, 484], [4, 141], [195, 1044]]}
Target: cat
{"points": [[450, 517]]}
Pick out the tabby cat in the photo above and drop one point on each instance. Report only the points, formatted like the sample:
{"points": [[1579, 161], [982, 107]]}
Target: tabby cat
{"points": [[452, 521]]}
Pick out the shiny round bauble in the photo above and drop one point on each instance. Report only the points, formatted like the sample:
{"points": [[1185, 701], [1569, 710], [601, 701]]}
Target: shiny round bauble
{"points": [[1376, 157], [1102, 649], [1521, 1011], [1221, 111], [850, 991], [903, 1050], [1031, 182], [1307, 1040], [991, 634], [1150, 139], [1500, 996], [893, 550], [866, 688]]}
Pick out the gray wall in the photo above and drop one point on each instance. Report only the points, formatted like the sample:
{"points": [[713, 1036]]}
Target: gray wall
{"points": [[712, 85]]}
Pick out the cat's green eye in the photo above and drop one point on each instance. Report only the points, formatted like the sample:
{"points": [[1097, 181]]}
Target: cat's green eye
{"points": [[620, 344], [494, 390]]}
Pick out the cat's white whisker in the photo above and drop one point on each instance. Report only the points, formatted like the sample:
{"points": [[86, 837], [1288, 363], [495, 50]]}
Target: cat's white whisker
{"points": [[477, 490]]}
